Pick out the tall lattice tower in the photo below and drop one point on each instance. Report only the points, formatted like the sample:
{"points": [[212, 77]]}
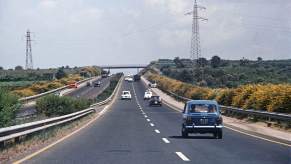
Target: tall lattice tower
{"points": [[28, 61], [195, 51]]}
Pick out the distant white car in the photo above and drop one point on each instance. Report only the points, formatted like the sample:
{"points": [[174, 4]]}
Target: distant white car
{"points": [[153, 85], [125, 95], [58, 94], [147, 95], [130, 79]]}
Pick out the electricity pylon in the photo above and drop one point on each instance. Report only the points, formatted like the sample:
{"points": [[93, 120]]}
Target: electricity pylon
{"points": [[195, 51], [28, 61]]}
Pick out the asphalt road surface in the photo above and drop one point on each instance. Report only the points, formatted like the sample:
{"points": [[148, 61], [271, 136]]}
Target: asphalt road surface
{"points": [[129, 133], [90, 92], [84, 92]]}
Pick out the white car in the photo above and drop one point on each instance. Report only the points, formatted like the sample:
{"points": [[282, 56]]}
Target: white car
{"points": [[147, 95], [126, 95], [153, 85], [130, 79]]}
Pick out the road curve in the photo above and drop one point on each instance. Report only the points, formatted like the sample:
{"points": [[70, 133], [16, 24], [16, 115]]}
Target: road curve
{"points": [[132, 132], [83, 92], [90, 92]]}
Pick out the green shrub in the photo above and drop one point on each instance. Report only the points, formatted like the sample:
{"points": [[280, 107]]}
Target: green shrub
{"points": [[61, 73], [53, 105], [54, 85], [8, 106]]}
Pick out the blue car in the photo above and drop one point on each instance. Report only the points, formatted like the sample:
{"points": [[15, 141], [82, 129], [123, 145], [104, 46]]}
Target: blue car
{"points": [[202, 116]]}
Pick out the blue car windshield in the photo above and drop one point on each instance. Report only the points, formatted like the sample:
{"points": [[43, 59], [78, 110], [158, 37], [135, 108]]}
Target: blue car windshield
{"points": [[202, 108]]}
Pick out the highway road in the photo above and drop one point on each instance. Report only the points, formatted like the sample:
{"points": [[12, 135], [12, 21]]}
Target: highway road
{"points": [[131, 132], [90, 92], [84, 92]]}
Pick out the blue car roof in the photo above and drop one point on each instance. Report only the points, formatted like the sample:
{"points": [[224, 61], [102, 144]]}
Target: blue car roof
{"points": [[202, 102]]}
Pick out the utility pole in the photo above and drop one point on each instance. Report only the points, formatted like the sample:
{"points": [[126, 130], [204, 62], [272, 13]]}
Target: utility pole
{"points": [[28, 61], [195, 51]]}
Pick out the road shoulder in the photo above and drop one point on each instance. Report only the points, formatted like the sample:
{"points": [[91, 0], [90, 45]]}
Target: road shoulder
{"points": [[257, 130]]}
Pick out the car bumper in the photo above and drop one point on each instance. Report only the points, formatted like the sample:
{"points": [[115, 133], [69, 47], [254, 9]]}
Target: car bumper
{"points": [[203, 129], [158, 104], [125, 97], [206, 127]]}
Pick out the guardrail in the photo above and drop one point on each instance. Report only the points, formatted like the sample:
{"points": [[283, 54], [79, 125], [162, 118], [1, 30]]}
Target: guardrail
{"points": [[17, 131], [256, 114], [111, 96], [30, 98]]}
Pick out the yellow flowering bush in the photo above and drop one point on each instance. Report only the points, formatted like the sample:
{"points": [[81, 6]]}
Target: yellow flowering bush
{"points": [[41, 87], [270, 97]]}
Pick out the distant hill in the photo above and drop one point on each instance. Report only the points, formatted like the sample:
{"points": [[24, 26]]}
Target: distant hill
{"points": [[218, 72]]}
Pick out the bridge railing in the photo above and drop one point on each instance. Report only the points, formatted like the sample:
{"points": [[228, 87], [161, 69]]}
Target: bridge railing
{"points": [[123, 66]]}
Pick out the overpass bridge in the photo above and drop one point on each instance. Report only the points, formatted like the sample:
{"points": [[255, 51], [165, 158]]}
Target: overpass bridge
{"points": [[126, 66]]}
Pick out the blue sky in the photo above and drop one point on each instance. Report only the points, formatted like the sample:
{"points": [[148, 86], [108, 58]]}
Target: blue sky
{"points": [[95, 32]]}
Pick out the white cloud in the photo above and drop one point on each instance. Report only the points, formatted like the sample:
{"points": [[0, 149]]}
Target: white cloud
{"points": [[48, 3], [174, 38], [78, 32]]}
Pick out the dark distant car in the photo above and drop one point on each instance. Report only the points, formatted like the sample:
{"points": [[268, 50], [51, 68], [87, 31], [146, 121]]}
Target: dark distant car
{"points": [[89, 84], [155, 100], [136, 77], [97, 84], [202, 116], [104, 75]]}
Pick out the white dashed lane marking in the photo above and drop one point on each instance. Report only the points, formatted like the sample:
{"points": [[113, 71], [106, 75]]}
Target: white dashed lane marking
{"points": [[157, 131], [182, 156], [165, 140]]}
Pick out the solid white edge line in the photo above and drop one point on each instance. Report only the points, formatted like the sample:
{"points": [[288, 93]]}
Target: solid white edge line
{"points": [[30, 156], [245, 133], [262, 138], [61, 139], [165, 140], [182, 156]]}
